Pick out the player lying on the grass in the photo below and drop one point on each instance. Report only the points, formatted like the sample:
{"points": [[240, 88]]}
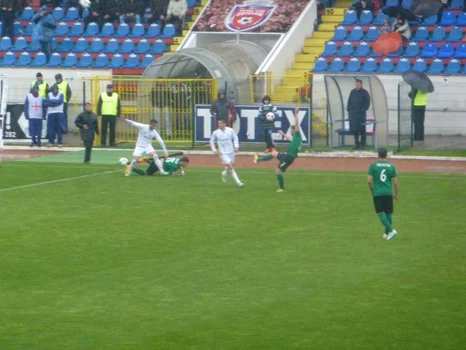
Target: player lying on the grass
{"points": [[170, 165], [381, 176], [228, 144], [144, 144], [286, 159]]}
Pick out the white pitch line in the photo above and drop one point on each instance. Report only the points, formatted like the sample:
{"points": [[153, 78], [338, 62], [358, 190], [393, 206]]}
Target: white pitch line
{"points": [[56, 181]]}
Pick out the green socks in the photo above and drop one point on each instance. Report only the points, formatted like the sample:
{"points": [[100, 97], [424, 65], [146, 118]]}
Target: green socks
{"points": [[281, 181], [386, 222], [139, 171], [266, 157], [389, 217]]}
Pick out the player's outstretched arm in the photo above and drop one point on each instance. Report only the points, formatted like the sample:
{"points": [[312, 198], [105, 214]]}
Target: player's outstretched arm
{"points": [[284, 135], [296, 117], [161, 143]]}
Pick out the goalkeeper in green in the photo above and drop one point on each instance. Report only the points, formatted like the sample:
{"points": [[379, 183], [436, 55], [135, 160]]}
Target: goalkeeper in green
{"points": [[170, 165]]}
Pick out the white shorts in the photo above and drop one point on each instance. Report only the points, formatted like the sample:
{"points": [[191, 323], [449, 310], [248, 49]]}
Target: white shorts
{"points": [[139, 151], [227, 158]]}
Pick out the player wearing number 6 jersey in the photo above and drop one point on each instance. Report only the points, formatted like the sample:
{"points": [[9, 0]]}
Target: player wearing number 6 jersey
{"points": [[381, 176], [144, 144], [228, 144]]}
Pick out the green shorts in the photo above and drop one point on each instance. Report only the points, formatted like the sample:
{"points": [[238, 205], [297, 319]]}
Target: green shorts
{"points": [[285, 161]]}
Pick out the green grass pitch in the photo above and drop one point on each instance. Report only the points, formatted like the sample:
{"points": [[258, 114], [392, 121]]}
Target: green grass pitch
{"points": [[100, 261]]}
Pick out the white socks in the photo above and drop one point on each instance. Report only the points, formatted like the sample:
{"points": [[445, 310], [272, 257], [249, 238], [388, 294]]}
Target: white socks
{"points": [[131, 166], [158, 163], [235, 176]]}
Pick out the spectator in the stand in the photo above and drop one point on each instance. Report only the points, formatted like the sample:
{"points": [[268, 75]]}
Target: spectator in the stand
{"points": [[34, 111], [223, 109], [176, 12], [363, 5], [95, 13], [111, 11], [155, 12], [64, 89], [386, 27], [45, 29], [8, 9], [130, 12], [87, 123], [53, 3], [401, 26], [41, 84]]}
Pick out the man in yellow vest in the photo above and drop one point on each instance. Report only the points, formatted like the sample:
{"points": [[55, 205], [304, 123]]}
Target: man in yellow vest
{"points": [[41, 84], [64, 88], [418, 112], [108, 109]]}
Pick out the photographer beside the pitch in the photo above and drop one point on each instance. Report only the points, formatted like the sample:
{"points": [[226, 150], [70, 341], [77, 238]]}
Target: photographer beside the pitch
{"points": [[268, 126]]}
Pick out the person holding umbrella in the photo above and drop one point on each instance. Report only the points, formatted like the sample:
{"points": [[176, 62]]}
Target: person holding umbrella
{"points": [[358, 103], [401, 26]]}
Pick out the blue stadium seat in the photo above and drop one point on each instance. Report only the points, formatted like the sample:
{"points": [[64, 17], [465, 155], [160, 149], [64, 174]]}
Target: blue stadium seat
{"points": [[97, 45], [191, 3], [461, 20], [54, 61], [453, 67], [420, 65], [436, 67], [8, 60], [122, 31], [142, 47], [65, 46], [20, 45], [340, 34], [132, 61], [62, 29], [39, 60], [337, 65], [378, 21], [116, 62], [386, 66], [23, 60], [27, 14], [58, 13], [438, 34], [77, 29], [159, 47], [455, 35], [72, 14], [330, 49], [70, 61], [33, 46], [346, 49], [81, 45], [107, 30], [402, 66], [422, 34], [321, 65], [350, 18], [5, 43], [448, 18], [127, 46], [112, 46], [85, 61], [407, 4], [457, 4], [169, 31], [366, 18], [412, 50], [153, 31], [18, 28], [101, 61], [356, 34], [146, 61], [369, 66], [353, 65], [29, 28], [372, 34], [446, 51], [430, 21], [92, 30], [138, 31], [429, 51], [391, 3], [362, 50], [396, 53], [460, 51], [85, 13]]}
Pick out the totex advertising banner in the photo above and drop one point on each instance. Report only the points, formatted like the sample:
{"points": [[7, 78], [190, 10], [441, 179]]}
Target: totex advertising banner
{"points": [[247, 124]]}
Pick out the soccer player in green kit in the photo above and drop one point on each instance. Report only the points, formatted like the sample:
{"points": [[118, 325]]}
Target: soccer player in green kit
{"points": [[286, 159], [170, 165], [381, 176]]}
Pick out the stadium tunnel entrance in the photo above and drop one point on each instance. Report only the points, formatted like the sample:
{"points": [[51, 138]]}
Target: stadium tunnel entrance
{"points": [[231, 63]]}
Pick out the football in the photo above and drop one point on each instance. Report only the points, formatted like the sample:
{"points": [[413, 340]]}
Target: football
{"points": [[270, 116], [85, 3], [124, 161]]}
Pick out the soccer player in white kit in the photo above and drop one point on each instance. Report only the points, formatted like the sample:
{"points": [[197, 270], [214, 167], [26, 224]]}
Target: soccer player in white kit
{"points": [[228, 144], [144, 144]]}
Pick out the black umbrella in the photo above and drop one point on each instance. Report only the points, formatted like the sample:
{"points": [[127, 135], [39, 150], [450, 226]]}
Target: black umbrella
{"points": [[407, 14], [391, 11], [418, 80], [428, 8]]}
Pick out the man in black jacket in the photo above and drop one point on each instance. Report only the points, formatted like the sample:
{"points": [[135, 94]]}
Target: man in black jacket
{"points": [[95, 14], [111, 11], [130, 12], [358, 103], [8, 9], [87, 124]]}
